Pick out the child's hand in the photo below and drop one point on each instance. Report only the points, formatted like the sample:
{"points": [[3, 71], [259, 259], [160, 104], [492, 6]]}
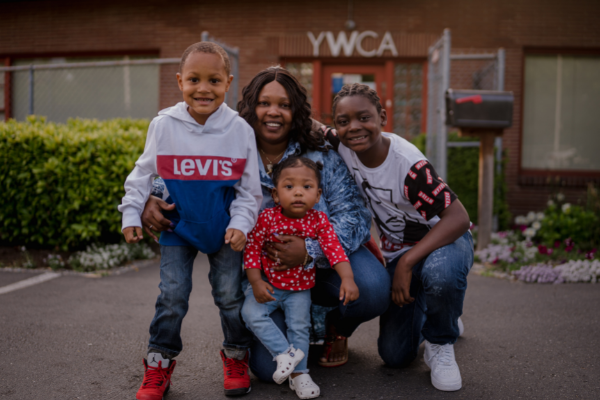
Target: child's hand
{"points": [[130, 230], [236, 238], [349, 290], [263, 291]]}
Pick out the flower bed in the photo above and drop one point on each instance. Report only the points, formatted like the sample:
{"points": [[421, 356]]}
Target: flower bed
{"points": [[558, 245]]}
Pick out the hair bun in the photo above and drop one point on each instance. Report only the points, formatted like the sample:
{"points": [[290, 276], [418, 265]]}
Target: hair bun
{"points": [[319, 165]]}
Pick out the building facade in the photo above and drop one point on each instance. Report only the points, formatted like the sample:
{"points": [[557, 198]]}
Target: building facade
{"points": [[552, 63]]}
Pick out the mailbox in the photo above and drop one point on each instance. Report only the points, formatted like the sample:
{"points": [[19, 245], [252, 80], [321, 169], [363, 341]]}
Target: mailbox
{"points": [[479, 109]]}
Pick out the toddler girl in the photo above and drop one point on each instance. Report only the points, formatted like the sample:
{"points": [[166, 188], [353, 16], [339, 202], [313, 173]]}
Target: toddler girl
{"points": [[297, 181]]}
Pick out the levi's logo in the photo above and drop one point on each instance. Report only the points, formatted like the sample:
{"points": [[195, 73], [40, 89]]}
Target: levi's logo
{"points": [[438, 189], [426, 198], [200, 167], [420, 164]]}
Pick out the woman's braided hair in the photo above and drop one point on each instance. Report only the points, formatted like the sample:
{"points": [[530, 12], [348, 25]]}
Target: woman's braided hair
{"points": [[358, 89], [301, 122]]}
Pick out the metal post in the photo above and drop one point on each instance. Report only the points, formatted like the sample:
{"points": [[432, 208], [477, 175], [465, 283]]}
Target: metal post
{"points": [[442, 138], [486, 189], [204, 36], [500, 62], [31, 90], [236, 78]]}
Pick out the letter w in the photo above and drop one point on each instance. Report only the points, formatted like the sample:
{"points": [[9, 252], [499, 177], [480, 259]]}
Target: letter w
{"points": [[342, 41], [201, 169]]}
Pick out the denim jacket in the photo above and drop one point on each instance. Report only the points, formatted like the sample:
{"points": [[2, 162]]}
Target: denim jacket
{"points": [[341, 202]]}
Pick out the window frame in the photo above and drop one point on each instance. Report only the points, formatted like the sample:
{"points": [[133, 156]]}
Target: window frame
{"points": [[532, 176], [10, 58]]}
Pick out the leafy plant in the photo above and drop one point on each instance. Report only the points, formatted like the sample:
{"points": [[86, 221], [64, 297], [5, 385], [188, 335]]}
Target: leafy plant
{"points": [[64, 181]]}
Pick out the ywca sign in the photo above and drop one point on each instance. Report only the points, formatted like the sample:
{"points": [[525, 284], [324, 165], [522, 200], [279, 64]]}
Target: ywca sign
{"points": [[354, 42]]}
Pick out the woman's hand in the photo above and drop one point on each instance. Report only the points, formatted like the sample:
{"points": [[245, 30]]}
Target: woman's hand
{"points": [[290, 253], [401, 282], [153, 219]]}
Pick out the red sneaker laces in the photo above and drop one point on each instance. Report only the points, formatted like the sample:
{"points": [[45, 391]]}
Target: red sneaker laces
{"points": [[155, 376], [237, 367]]}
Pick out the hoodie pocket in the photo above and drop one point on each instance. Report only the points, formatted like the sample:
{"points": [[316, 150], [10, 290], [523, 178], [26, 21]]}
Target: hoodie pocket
{"points": [[208, 236]]}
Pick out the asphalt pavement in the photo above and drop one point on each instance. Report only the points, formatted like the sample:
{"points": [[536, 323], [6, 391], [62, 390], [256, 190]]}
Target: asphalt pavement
{"points": [[75, 337]]}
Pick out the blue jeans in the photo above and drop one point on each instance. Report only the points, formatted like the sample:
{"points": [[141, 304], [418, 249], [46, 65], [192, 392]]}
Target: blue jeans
{"points": [[225, 278], [374, 288], [296, 307], [438, 285]]}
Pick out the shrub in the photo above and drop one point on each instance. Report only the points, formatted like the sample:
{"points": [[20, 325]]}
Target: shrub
{"points": [[109, 256], [565, 221], [64, 181], [463, 178]]}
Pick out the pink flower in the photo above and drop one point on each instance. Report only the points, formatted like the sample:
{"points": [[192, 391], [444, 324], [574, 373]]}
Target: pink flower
{"points": [[495, 260], [557, 244], [522, 227], [569, 243], [569, 248], [542, 249], [502, 234], [590, 254], [550, 251]]}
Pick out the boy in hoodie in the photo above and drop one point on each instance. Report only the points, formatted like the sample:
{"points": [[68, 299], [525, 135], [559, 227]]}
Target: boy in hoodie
{"points": [[206, 155]]}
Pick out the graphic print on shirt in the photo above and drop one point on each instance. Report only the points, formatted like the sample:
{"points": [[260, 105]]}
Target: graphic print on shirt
{"points": [[426, 191], [397, 225]]}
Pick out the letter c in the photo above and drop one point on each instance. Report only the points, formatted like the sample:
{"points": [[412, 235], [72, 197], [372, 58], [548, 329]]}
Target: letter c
{"points": [[359, 39]]}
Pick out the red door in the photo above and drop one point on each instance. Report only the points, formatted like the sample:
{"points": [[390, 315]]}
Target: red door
{"points": [[335, 76]]}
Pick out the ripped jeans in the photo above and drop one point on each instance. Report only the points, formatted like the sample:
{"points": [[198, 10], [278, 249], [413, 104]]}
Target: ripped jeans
{"points": [[438, 285]]}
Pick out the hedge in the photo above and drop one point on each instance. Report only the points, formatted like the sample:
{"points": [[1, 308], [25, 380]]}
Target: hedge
{"points": [[63, 182], [463, 173]]}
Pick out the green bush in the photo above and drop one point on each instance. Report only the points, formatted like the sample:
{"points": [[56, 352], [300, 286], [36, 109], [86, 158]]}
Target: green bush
{"points": [[65, 181], [564, 221], [463, 173]]}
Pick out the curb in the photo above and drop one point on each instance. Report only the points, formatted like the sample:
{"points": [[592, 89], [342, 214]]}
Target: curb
{"points": [[482, 270], [133, 266]]}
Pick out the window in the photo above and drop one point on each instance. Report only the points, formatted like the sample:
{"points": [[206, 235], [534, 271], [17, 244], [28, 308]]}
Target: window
{"points": [[304, 73], [561, 122], [408, 92], [89, 92]]}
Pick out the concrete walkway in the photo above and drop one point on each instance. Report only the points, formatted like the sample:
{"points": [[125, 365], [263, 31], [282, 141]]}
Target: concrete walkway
{"points": [[81, 338]]}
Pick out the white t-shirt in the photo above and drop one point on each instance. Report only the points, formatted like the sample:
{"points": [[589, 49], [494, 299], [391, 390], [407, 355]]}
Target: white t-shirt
{"points": [[404, 194]]}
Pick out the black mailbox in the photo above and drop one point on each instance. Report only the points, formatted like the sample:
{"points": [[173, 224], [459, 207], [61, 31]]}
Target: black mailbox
{"points": [[486, 109]]}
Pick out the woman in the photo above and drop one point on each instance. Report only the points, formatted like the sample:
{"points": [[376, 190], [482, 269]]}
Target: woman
{"points": [[274, 104]]}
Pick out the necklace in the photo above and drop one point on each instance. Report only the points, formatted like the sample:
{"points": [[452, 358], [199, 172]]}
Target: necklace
{"points": [[270, 164]]}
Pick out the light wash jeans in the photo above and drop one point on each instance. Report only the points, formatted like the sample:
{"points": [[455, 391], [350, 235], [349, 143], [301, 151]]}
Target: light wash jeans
{"points": [[438, 285], [225, 276], [296, 307]]}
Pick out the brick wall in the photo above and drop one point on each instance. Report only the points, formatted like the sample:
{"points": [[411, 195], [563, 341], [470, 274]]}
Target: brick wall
{"points": [[167, 28]]}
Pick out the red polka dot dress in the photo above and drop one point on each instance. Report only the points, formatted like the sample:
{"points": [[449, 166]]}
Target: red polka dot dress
{"points": [[314, 225]]}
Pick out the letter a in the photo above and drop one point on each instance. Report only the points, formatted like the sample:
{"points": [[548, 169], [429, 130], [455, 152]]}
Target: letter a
{"points": [[387, 43]]}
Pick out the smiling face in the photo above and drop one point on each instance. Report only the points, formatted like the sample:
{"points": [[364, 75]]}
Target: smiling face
{"points": [[358, 123], [203, 82], [274, 114], [297, 191]]}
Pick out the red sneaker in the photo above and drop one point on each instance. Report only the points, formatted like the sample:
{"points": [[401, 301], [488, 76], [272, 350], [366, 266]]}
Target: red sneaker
{"points": [[237, 379], [157, 382]]}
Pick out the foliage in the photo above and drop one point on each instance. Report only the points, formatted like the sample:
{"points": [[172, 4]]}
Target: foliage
{"points": [[64, 181], [103, 257], [571, 271], [463, 178]]}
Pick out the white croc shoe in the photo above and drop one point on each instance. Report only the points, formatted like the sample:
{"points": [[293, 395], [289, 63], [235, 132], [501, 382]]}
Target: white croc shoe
{"points": [[304, 387], [445, 374], [286, 362]]}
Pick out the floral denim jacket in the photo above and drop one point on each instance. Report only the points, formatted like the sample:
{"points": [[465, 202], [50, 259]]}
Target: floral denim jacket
{"points": [[341, 202]]}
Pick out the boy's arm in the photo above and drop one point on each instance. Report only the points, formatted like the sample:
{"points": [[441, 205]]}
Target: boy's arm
{"points": [[431, 196], [139, 182], [246, 205]]}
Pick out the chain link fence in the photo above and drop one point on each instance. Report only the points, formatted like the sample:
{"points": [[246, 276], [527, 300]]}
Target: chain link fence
{"points": [[100, 88]]}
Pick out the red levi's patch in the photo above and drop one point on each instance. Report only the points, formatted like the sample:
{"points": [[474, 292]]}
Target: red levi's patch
{"points": [[200, 168]]}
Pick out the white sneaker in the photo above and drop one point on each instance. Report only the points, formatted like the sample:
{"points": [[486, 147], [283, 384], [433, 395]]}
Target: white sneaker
{"points": [[286, 362], [304, 387], [445, 374], [461, 327]]}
